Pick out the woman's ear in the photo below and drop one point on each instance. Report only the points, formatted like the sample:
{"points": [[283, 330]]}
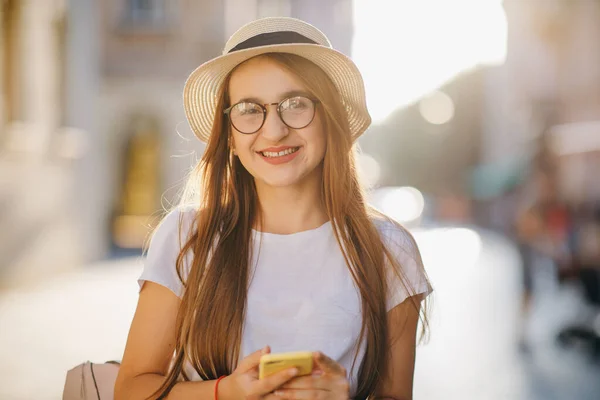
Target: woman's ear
{"points": [[232, 146]]}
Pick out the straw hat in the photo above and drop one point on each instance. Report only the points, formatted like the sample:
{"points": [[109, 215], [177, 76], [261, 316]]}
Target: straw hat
{"points": [[274, 35]]}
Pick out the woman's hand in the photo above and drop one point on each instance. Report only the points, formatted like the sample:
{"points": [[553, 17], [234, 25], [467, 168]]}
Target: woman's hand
{"points": [[328, 381], [243, 383]]}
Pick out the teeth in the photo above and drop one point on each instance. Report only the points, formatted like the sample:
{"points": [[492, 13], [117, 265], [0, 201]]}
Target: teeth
{"points": [[280, 153]]}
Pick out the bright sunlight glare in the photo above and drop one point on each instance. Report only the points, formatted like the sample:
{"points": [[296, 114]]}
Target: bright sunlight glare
{"points": [[404, 204], [408, 48]]}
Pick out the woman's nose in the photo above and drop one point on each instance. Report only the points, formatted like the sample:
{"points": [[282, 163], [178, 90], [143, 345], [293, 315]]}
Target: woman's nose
{"points": [[273, 129]]}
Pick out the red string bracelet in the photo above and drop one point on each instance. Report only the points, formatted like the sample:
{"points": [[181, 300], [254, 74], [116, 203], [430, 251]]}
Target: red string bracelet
{"points": [[217, 387]]}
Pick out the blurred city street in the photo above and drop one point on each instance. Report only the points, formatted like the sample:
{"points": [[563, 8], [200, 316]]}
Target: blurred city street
{"points": [[48, 328], [485, 142]]}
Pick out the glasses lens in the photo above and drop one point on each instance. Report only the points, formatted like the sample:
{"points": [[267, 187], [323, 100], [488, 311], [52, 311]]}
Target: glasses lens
{"points": [[246, 117], [297, 112]]}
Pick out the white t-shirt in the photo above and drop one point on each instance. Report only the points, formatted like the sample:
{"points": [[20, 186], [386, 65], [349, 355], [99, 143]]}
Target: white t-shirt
{"points": [[301, 295]]}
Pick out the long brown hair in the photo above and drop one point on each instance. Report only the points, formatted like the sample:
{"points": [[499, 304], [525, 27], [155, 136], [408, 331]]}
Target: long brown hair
{"points": [[211, 315]]}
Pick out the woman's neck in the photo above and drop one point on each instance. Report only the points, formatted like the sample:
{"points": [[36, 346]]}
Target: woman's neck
{"points": [[290, 209]]}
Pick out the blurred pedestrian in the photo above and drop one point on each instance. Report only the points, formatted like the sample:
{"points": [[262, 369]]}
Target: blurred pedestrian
{"points": [[542, 225]]}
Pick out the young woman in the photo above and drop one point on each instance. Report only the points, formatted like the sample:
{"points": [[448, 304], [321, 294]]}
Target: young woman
{"points": [[279, 251]]}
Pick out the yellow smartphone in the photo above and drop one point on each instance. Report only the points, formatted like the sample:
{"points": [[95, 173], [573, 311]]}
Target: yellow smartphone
{"points": [[273, 363]]}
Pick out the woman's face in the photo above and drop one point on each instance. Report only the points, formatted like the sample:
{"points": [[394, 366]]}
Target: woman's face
{"points": [[276, 155]]}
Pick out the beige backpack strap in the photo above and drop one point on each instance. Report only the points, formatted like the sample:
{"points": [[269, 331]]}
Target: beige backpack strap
{"points": [[89, 381]]}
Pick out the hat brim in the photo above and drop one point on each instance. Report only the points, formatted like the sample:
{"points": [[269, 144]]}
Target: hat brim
{"points": [[200, 94]]}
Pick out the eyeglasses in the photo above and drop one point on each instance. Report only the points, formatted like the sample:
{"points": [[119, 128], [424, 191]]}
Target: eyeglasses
{"points": [[295, 112]]}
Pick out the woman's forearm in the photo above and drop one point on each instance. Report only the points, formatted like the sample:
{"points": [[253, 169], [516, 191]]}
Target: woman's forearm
{"points": [[144, 386]]}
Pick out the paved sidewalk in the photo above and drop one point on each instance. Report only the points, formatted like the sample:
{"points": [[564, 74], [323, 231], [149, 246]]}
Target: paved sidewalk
{"points": [[48, 328]]}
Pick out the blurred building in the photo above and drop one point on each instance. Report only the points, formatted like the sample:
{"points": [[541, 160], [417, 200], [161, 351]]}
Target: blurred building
{"points": [[555, 75], [549, 85], [94, 140], [553, 57], [36, 161]]}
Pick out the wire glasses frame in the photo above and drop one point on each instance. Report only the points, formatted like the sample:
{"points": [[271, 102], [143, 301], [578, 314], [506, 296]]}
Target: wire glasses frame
{"points": [[295, 112]]}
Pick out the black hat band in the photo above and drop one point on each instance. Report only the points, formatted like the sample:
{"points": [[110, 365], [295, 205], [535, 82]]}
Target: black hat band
{"points": [[271, 38]]}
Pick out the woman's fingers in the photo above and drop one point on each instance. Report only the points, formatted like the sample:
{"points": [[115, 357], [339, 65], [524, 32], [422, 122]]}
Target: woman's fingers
{"points": [[271, 396], [306, 382], [328, 365], [324, 385], [303, 394], [273, 382], [252, 360]]}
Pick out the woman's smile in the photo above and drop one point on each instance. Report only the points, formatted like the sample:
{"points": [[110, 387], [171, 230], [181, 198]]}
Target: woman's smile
{"points": [[279, 155]]}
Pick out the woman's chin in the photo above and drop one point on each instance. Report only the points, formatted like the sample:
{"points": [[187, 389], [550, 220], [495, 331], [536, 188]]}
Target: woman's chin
{"points": [[280, 180], [280, 183]]}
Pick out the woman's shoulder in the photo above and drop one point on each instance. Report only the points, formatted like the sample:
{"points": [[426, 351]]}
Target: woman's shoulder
{"points": [[181, 212], [179, 219], [403, 247], [169, 237], [395, 236]]}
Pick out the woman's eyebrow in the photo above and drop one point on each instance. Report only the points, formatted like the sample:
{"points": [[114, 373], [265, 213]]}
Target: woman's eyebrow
{"points": [[250, 99], [284, 95], [293, 93]]}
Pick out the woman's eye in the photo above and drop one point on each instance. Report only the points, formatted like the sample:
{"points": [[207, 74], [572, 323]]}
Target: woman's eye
{"points": [[295, 104], [243, 109]]}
